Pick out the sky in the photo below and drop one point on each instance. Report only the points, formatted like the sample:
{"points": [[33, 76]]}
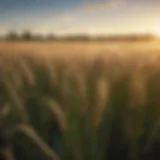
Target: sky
{"points": [[80, 16]]}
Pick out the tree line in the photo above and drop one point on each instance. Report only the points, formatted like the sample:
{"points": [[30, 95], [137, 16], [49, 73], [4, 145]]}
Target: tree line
{"points": [[28, 36]]}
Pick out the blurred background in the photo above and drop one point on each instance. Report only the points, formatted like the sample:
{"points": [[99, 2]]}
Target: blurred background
{"points": [[79, 79]]}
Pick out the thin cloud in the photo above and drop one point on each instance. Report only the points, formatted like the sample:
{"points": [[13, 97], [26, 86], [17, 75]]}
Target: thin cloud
{"points": [[90, 6], [65, 17]]}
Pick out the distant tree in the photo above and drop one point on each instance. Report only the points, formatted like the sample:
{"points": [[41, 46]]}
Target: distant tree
{"points": [[26, 35], [80, 37], [37, 37], [12, 35], [51, 37]]}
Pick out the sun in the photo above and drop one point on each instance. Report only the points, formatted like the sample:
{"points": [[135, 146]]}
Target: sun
{"points": [[156, 31]]}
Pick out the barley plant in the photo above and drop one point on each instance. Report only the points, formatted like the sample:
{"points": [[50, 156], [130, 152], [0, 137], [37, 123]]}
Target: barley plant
{"points": [[84, 110]]}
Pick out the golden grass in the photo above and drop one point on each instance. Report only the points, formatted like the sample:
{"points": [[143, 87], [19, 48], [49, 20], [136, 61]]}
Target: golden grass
{"points": [[89, 80]]}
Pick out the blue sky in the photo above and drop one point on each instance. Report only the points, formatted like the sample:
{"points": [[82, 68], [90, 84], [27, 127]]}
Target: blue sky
{"points": [[80, 16]]}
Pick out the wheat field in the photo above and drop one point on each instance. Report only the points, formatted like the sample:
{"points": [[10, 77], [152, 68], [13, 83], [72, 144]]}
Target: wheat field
{"points": [[104, 98]]}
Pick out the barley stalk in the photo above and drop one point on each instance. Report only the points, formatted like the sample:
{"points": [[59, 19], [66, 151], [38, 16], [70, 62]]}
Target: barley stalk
{"points": [[18, 104], [31, 134]]}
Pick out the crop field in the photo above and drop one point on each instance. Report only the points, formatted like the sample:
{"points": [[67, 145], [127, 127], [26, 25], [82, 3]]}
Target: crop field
{"points": [[81, 100]]}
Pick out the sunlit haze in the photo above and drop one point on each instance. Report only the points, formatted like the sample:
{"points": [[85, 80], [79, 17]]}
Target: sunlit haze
{"points": [[80, 16]]}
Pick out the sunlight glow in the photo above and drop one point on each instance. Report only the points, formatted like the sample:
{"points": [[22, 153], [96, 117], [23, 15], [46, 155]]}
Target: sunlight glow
{"points": [[157, 31]]}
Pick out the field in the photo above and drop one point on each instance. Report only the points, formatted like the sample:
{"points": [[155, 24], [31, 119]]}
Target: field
{"points": [[81, 100]]}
